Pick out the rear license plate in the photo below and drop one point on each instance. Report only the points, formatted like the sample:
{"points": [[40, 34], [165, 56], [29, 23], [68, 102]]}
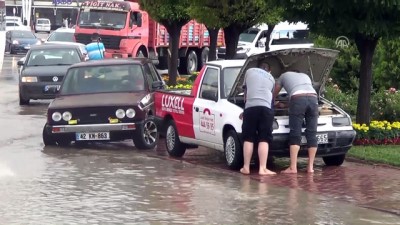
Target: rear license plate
{"points": [[47, 87], [93, 136], [321, 139]]}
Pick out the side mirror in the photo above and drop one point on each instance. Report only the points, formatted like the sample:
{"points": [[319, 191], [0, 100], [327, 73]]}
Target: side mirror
{"points": [[157, 84], [139, 19], [210, 95], [261, 44], [20, 62]]}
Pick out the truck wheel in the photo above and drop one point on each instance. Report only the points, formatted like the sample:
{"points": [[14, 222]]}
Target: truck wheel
{"points": [[174, 146], [233, 150], [47, 138], [146, 135], [188, 65], [335, 160], [203, 58], [140, 54]]}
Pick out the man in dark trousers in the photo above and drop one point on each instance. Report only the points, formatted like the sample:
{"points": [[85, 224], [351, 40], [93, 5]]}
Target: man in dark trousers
{"points": [[258, 116]]}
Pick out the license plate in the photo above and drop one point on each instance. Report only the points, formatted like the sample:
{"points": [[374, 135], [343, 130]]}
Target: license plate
{"points": [[47, 87], [93, 136], [321, 139]]}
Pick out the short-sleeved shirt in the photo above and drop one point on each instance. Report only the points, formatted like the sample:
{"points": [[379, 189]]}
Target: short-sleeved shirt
{"points": [[95, 50], [259, 87], [296, 83]]}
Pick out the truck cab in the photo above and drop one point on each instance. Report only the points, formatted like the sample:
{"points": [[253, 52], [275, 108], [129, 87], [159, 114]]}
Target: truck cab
{"points": [[122, 26]]}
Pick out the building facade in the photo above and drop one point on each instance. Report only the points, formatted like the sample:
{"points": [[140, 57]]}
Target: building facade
{"points": [[55, 10]]}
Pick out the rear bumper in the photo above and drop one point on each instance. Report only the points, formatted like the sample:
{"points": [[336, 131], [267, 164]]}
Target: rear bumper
{"points": [[339, 142]]}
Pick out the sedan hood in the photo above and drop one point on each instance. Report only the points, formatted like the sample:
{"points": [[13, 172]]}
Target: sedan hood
{"points": [[97, 100], [45, 70], [316, 62]]}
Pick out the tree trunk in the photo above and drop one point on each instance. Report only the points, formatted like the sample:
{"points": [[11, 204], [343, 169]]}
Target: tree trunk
{"points": [[269, 32], [231, 34], [212, 54], [366, 47], [174, 31]]}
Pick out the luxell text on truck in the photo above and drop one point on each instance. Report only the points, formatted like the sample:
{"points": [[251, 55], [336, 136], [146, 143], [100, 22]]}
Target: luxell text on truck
{"points": [[209, 114], [128, 31]]}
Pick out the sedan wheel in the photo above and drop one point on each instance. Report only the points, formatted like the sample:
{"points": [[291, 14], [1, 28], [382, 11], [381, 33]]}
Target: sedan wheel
{"points": [[146, 136], [233, 150], [47, 138], [335, 160], [23, 101]]}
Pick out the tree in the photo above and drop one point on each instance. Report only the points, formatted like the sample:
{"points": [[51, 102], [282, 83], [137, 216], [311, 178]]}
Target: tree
{"points": [[207, 12], [364, 21], [172, 14]]}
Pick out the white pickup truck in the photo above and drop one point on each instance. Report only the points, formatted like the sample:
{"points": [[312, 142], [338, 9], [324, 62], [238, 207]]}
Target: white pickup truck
{"points": [[209, 114]]}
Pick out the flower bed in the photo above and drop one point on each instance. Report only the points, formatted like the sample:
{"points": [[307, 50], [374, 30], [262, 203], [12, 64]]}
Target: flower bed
{"points": [[377, 133]]}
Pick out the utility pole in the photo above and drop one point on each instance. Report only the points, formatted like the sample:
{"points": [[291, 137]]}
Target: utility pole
{"points": [[2, 31]]}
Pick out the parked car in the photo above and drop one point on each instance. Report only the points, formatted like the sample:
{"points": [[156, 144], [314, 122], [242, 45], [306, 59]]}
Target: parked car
{"points": [[13, 19], [105, 100], [42, 25], [13, 25], [44, 68], [209, 114], [20, 41], [62, 34]]}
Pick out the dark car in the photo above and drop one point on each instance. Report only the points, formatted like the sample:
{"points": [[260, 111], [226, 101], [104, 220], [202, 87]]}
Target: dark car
{"points": [[43, 68], [20, 41], [105, 100]]}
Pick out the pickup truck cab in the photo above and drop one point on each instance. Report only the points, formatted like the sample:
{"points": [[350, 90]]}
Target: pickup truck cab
{"points": [[209, 114]]}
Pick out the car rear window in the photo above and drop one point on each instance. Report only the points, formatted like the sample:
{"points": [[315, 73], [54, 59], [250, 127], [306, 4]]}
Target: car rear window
{"points": [[62, 36], [43, 22]]}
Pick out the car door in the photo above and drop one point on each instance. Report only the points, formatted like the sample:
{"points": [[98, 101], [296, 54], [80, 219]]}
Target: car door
{"points": [[206, 111]]}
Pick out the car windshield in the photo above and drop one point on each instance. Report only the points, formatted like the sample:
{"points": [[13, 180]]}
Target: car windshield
{"points": [[55, 56], [23, 34], [102, 79], [248, 36], [102, 18], [62, 36], [285, 37], [229, 76]]}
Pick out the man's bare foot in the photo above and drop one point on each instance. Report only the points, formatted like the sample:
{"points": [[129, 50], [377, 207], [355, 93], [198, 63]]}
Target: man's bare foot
{"points": [[289, 171], [265, 172], [310, 170], [244, 171]]}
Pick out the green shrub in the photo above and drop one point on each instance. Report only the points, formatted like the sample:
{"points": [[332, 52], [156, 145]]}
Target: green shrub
{"points": [[345, 100], [385, 105]]}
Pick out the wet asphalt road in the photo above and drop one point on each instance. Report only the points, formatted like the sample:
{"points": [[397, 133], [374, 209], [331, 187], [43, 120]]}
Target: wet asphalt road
{"points": [[117, 184]]}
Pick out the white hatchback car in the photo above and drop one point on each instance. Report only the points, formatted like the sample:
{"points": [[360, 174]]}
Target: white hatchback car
{"points": [[42, 25]]}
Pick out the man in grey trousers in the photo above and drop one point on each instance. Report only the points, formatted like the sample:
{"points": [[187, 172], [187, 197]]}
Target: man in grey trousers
{"points": [[303, 105]]}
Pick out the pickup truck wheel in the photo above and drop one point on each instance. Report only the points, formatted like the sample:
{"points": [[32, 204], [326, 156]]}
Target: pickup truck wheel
{"points": [[146, 136], [47, 138], [335, 160], [174, 146], [233, 150]]}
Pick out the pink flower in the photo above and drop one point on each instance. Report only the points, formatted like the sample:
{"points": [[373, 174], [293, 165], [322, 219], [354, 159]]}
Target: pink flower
{"points": [[392, 90]]}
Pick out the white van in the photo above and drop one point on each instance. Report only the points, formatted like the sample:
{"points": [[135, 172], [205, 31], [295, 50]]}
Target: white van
{"points": [[285, 35], [42, 25]]}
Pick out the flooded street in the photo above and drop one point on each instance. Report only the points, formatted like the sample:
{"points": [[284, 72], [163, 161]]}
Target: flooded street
{"points": [[116, 184]]}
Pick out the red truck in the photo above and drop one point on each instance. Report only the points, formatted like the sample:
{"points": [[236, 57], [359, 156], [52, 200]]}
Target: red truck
{"points": [[128, 31]]}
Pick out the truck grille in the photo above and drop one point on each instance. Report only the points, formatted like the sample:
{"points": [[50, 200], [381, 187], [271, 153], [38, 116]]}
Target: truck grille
{"points": [[50, 78], [93, 115], [110, 42]]}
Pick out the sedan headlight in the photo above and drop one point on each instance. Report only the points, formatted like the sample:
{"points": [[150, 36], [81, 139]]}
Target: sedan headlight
{"points": [[67, 116], [120, 113], [56, 116], [130, 113], [341, 121], [29, 79], [15, 42]]}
